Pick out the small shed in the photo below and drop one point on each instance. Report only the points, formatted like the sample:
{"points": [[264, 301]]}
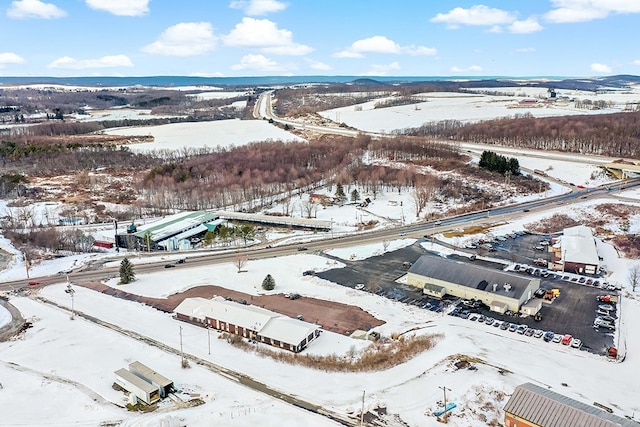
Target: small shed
{"points": [[434, 291], [499, 306], [531, 307], [165, 385], [144, 391]]}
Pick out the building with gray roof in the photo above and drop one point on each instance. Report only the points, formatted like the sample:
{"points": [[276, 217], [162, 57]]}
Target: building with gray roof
{"points": [[501, 291], [534, 406]]}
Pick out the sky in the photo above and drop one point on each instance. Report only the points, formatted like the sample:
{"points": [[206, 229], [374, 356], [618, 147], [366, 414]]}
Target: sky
{"points": [[237, 38]]}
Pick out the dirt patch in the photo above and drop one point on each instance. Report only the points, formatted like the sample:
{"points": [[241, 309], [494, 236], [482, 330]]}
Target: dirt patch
{"points": [[332, 316]]}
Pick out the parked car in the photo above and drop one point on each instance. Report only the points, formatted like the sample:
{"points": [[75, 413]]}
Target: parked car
{"points": [[302, 248], [529, 332], [600, 323], [473, 317], [521, 329], [513, 327], [465, 314], [556, 338], [504, 326], [540, 293], [582, 279], [607, 307], [360, 286], [539, 248], [489, 321], [566, 340], [607, 318], [548, 336], [603, 312], [292, 296], [538, 333], [455, 311], [576, 343], [181, 261], [169, 265], [308, 273], [481, 318]]}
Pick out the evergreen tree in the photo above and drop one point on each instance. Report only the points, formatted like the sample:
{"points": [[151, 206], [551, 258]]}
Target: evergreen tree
{"points": [[355, 195], [340, 192], [127, 275], [209, 237], [268, 284]]}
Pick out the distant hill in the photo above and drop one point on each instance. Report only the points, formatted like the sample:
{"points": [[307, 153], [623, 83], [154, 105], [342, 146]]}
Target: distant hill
{"points": [[589, 83]]}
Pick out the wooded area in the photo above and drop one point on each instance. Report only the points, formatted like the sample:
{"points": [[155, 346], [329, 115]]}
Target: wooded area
{"points": [[615, 135]]}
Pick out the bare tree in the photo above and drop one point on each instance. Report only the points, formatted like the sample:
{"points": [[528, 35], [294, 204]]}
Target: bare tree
{"points": [[385, 245], [309, 209], [240, 261], [634, 276]]}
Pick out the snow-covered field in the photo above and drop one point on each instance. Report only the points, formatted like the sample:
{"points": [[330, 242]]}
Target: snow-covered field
{"points": [[64, 368], [222, 133], [473, 107]]}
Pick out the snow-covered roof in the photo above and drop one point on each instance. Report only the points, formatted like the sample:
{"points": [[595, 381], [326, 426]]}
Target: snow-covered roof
{"points": [[265, 322], [149, 374], [174, 224], [247, 316], [579, 246], [272, 219], [286, 329]]}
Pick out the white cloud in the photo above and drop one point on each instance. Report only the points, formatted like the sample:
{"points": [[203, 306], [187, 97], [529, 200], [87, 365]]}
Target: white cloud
{"points": [[565, 11], [113, 61], [7, 58], [382, 69], [258, 7], [600, 68], [636, 62], [207, 74], [257, 63], [184, 39], [121, 7], [525, 49], [26, 9], [475, 15], [383, 45], [529, 25], [265, 35], [317, 65], [474, 68]]}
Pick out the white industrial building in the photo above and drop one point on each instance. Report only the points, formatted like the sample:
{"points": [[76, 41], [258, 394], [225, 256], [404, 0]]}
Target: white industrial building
{"points": [[578, 250]]}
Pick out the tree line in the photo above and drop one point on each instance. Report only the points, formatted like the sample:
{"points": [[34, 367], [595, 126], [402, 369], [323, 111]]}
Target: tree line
{"points": [[615, 135]]}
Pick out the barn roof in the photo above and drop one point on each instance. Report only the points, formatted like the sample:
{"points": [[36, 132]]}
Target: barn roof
{"points": [[550, 409], [472, 276]]}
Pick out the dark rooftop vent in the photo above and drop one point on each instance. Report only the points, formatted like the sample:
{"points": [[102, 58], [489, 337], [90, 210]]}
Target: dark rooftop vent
{"points": [[482, 285]]}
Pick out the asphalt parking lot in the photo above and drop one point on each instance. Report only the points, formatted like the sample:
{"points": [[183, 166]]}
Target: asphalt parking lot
{"points": [[572, 311]]}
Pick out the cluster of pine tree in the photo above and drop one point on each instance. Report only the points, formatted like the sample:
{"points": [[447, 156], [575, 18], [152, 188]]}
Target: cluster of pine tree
{"points": [[498, 163]]}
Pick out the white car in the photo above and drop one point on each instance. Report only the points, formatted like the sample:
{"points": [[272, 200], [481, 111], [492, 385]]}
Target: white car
{"points": [[557, 338], [600, 323], [576, 343], [360, 286]]}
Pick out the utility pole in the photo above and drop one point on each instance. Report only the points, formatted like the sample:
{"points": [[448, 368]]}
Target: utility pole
{"points": [[362, 410], [181, 351], [71, 291], [444, 389]]}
